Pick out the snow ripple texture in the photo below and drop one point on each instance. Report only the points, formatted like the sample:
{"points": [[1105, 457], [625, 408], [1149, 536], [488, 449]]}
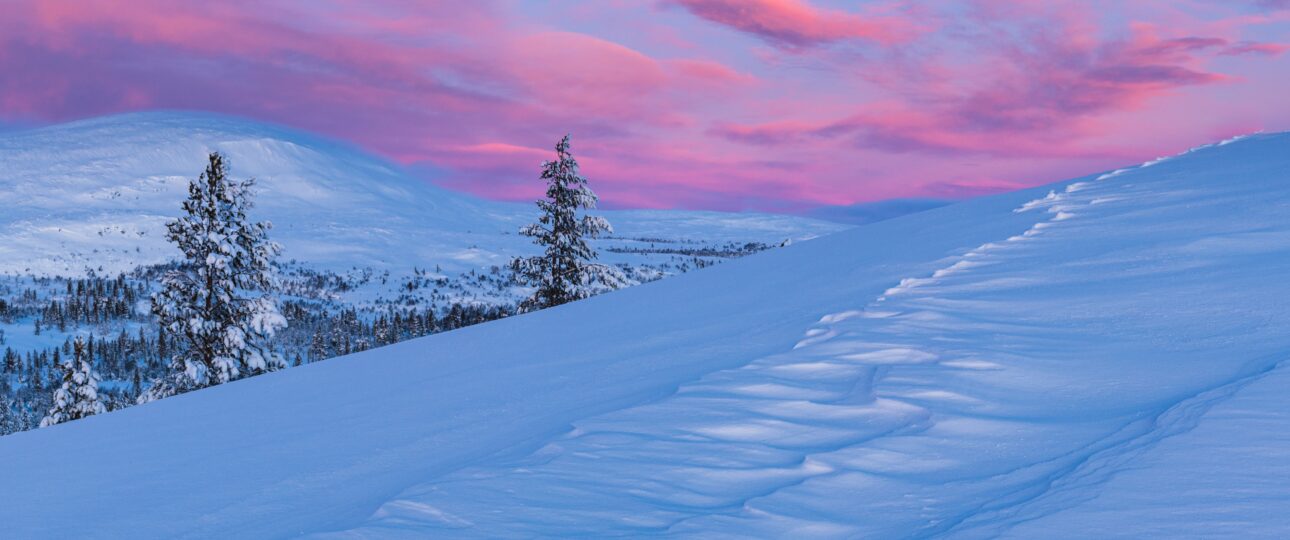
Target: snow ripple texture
{"points": [[1004, 386]]}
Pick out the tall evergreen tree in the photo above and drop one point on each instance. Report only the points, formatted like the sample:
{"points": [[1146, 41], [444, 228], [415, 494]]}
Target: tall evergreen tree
{"points": [[565, 271], [218, 304], [78, 396]]}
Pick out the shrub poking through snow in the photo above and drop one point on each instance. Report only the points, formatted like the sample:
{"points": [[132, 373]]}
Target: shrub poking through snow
{"points": [[218, 303]]}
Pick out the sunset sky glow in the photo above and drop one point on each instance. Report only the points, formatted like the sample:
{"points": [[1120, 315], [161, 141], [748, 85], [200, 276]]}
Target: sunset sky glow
{"points": [[779, 105]]}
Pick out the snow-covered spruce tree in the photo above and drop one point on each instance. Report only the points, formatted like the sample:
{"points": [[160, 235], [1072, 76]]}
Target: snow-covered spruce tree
{"points": [[78, 396], [217, 305], [565, 272]]}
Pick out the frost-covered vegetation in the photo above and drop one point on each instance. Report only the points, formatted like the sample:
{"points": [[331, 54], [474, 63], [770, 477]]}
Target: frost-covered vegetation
{"points": [[328, 314]]}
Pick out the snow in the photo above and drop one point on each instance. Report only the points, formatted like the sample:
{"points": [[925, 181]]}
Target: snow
{"points": [[1228, 472], [1103, 360]]}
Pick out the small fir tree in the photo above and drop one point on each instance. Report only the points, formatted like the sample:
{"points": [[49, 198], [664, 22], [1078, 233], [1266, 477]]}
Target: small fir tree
{"points": [[217, 305], [565, 271], [78, 395]]}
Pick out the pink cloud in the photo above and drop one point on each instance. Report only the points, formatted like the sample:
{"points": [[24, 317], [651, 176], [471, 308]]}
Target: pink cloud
{"points": [[796, 23], [1031, 98], [709, 71], [1250, 47], [601, 77]]}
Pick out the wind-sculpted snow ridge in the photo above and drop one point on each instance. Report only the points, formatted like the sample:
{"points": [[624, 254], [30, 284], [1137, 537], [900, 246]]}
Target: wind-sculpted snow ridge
{"points": [[1104, 360], [1007, 385]]}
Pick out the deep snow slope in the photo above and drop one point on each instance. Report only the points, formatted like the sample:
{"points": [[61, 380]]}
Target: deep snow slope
{"points": [[96, 194], [1105, 359]]}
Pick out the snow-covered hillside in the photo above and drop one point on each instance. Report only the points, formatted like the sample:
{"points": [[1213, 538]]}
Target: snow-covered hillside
{"points": [[1105, 359], [96, 193], [368, 247]]}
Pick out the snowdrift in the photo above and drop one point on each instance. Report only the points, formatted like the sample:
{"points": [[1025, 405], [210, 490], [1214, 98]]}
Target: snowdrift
{"points": [[1100, 357]]}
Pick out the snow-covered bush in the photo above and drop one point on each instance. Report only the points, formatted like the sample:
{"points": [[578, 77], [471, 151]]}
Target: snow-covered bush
{"points": [[78, 396]]}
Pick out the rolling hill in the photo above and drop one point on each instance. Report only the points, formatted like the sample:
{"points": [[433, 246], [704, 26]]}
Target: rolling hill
{"points": [[95, 194]]}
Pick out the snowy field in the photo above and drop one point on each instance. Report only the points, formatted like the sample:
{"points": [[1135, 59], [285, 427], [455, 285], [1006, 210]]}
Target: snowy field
{"points": [[1104, 357]]}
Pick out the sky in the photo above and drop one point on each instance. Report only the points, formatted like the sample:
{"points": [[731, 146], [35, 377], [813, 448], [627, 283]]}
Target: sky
{"points": [[766, 105]]}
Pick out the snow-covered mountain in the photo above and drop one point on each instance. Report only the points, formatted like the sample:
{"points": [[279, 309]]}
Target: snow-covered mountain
{"points": [[1104, 357], [95, 194]]}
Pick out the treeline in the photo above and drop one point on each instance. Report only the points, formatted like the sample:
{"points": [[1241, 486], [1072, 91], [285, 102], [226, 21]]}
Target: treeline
{"points": [[313, 334], [129, 360], [725, 251], [91, 301], [27, 379]]}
